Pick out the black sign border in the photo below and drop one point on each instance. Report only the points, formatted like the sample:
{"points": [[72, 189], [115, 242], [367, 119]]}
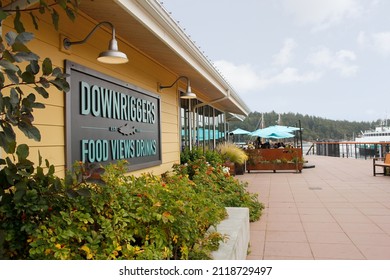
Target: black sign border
{"points": [[72, 66]]}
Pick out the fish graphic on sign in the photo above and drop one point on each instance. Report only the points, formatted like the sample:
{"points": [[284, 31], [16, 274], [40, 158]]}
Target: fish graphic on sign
{"points": [[127, 130]]}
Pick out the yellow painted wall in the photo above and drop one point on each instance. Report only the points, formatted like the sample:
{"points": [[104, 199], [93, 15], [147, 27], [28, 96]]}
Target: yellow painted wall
{"points": [[140, 71]]}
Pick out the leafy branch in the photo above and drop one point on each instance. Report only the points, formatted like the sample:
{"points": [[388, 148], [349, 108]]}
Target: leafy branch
{"points": [[22, 69], [69, 6]]}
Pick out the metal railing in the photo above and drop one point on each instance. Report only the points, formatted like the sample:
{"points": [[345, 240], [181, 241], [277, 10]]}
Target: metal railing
{"points": [[350, 149]]}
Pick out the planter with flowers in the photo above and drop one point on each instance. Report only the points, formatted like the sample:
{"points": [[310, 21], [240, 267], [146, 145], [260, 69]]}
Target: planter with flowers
{"points": [[234, 157], [275, 159]]}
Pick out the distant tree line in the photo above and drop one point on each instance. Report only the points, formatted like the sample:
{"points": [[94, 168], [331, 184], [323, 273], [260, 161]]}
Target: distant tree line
{"points": [[313, 128]]}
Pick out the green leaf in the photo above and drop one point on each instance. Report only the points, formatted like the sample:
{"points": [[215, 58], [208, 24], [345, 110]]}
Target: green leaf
{"points": [[34, 20], [8, 131], [61, 84], [12, 76], [7, 143], [24, 37], [29, 100], [8, 65], [22, 151], [1, 102], [55, 17], [57, 72], [8, 56], [47, 67], [62, 3], [14, 97], [71, 193], [1, 82], [21, 189], [28, 77], [25, 56], [19, 47], [10, 37], [47, 163], [33, 67], [11, 172], [27, 116], [39, 105], [44, 82], [39, 158], [42, 92], [30, 131], [71, 15], [51, 169], [68, 180], [84, 192], [3, 15], [18, 25]]}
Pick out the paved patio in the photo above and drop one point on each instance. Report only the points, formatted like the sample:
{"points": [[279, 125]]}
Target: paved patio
{"points": [[337, 210]]}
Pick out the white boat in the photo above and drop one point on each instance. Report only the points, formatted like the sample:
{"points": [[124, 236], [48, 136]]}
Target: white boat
{"points": [[379, 134]]}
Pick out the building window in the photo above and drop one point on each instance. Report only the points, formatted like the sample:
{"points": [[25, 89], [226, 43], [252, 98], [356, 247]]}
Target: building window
{"points": [[202, 126], [185, 122]]}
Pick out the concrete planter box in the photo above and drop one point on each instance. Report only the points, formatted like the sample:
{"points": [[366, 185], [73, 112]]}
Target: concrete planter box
{"points": [[236, 227]]}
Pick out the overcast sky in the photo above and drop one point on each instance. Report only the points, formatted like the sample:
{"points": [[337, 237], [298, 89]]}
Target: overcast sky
{"points": [[326, 58]]}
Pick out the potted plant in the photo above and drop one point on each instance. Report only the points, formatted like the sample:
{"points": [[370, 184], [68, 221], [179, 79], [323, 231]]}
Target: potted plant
{"points": [[233, 157], [274, 159]]}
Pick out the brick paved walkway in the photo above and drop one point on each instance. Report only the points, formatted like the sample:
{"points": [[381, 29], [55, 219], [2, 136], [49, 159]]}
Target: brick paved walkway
{"points": [[336, 210]]}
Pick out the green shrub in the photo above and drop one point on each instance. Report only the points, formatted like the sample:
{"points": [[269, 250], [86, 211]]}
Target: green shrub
{"points": [[85, 216], [96, 215], [227, 191], [149, 217], [190, 155], [211, 156], [28, 196]]}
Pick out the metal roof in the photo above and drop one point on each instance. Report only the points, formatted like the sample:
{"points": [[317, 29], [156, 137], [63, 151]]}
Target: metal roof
{"points": [[147, 26]]}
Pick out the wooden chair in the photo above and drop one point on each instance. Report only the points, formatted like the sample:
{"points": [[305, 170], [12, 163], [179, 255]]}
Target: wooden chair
{"points": [[381, 162]]}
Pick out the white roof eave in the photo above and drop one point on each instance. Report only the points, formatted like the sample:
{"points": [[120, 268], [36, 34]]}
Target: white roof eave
{"points": [[158, 21]]}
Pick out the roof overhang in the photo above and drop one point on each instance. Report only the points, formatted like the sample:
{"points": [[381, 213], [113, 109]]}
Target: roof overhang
{"points": [[148, 27]]}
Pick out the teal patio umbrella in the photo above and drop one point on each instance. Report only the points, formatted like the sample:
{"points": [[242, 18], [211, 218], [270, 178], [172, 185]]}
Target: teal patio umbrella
{"points": [[264, 133], [280, 128], [240, 131]]}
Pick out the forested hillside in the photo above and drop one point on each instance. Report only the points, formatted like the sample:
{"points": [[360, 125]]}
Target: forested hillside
{"points": [[313, 128]]}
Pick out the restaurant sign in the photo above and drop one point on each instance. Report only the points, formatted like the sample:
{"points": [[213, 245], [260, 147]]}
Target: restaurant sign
{"points": [[109, 120]]}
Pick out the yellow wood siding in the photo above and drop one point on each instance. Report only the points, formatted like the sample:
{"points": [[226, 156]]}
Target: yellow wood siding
{"points": [[140, 71]]}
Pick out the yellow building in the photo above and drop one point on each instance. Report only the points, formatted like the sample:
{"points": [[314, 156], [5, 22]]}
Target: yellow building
{"points": [[136, 110]]}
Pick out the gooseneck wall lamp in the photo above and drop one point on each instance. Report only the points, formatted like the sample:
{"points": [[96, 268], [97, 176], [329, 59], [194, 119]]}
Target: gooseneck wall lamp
{"points": [[112, 55], [186, 95]]}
